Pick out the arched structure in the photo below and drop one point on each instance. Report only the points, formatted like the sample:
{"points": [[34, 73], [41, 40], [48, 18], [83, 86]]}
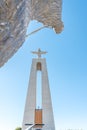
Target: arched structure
{"points": [[35, 118], [15, 16]]}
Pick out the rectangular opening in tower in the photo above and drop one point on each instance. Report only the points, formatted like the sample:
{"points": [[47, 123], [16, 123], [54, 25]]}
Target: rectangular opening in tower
{"points": [[39, 91], [38, 116]]}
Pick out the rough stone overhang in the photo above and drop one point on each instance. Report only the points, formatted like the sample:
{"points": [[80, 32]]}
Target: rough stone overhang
{"points": [[15, 16]]}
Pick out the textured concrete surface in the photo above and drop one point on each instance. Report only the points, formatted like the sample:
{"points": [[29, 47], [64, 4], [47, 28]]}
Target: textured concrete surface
{"points": [[48, 118], [29, 112], [15, 16], [30, 106]]}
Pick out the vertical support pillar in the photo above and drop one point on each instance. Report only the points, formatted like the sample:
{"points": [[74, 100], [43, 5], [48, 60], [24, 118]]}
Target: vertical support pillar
{"points": [[29, 113], [48, 119]]}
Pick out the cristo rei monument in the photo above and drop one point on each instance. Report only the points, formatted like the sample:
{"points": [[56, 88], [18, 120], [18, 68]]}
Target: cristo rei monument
{"points": [[38, 118]]}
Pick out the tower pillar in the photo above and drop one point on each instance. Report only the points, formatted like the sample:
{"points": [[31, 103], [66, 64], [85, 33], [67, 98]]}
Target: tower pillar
{"points": [[38, 119]]}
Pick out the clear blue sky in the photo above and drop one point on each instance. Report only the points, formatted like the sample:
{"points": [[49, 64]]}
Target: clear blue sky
{"points": [[67, 70]]}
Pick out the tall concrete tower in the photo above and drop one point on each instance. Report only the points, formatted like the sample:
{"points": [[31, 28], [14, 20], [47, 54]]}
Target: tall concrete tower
{"points": [[38, 118]]}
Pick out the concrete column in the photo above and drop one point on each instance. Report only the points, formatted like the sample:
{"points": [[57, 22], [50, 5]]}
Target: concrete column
{"points": [[31, 98], [48, 118]]}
